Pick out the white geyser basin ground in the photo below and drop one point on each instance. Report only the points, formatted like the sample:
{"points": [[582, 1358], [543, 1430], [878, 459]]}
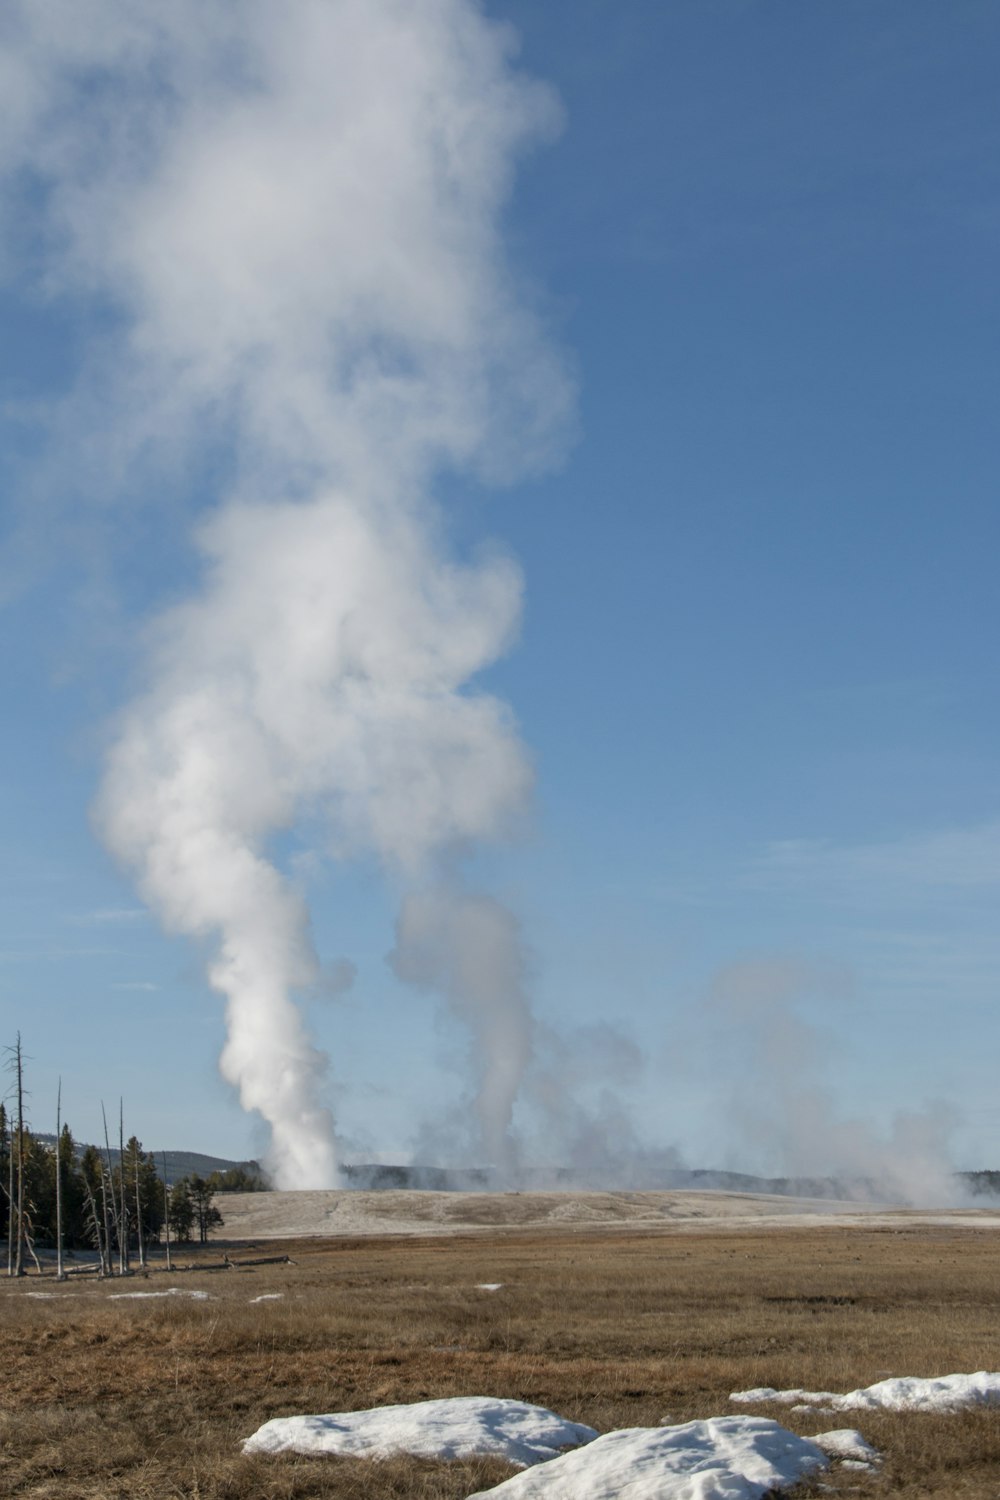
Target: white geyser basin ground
{"points": [[901, 1393], [724, 1458]]}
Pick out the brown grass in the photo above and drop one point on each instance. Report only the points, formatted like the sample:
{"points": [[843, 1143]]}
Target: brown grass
{"points": [[152, 1398]]}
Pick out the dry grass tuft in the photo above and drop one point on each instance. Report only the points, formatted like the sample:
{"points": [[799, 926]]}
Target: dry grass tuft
{"points": [[153, 1398]]}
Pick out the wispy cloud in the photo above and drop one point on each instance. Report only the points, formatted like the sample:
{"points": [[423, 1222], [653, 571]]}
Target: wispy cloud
{"points": [[946, 865], [51, 954], [109, 916], [948, 859], [144, 985]]}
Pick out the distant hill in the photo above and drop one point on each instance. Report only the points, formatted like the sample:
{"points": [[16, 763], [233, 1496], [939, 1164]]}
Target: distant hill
{"points": [[378, 1176], [179, 1163], [381, 1176], [186, 1163]]}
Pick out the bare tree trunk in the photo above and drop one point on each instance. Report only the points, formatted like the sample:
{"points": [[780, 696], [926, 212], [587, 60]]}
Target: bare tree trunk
{"points": [[107, 1224], [95, 1221], [19, 1251], [123, 1265], [10, 1204], [29, 1241], [60, 1272], [114, 1201], [166, 1208], [138, 1216]]}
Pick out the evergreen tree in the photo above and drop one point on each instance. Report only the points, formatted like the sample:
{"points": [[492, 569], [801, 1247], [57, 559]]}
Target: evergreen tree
{"points": [[206, 1215], [236, 1180], [181, 1211], [141, 1165], [74, 1195], [39, 1190]]}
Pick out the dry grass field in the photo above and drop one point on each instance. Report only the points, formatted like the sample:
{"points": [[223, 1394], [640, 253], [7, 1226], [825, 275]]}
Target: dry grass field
{"points": [[151, 1398]]}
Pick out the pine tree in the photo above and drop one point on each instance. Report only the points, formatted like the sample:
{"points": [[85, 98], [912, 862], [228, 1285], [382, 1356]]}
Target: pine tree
{"points": [[75, 1219], [181, 1211], [207, 1216], [141, 1185]]}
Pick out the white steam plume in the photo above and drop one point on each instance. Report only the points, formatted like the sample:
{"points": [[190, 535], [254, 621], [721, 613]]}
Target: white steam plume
{"points": [[468, 948], [290, 215]]}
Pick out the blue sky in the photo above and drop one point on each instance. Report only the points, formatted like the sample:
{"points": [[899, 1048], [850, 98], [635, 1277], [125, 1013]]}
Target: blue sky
{"points": [[756, 666]]}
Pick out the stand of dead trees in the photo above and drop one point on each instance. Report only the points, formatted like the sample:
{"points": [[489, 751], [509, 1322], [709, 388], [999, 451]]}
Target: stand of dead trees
{"points": [[112, 1200]]}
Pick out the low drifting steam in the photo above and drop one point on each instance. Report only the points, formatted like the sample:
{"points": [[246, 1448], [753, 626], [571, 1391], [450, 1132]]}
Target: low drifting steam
{"points": [[780, 1105], [292, 214]]}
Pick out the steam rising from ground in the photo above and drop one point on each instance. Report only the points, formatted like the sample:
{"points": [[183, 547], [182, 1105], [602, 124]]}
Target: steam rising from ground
{"points": [[781, 1106], [467, 948], [292, 213]]}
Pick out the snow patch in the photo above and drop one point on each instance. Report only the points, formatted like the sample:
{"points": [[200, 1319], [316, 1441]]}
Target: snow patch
{"points": [[724, 1458], [455, 1427], [488, 1286], [847, 1443], [173, 1291], [268, 1297], [900, 1393]]}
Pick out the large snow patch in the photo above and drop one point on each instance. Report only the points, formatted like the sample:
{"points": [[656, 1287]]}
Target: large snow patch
{"points": [[456, 1427], [725, 1458], [902, 1393]]}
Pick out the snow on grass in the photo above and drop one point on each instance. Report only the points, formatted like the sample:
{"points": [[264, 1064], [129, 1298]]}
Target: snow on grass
{"points": [[847, 1443], [488, 1286], [173, 1291], [724, 1458], [456, 1427], [901, 1393], [268, 1297]]}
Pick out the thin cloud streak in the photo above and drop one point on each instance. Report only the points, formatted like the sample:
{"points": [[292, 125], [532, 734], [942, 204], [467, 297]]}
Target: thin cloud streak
{"points": [[955, 859], [110, 916], [949, 863]]}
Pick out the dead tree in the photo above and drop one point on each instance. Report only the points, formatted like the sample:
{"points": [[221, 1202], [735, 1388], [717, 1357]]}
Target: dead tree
{"points": [[19, 1220], [60, 1272], [166, 1207], [29, 1236], [11, 1210], [95, 1221], [107, 1180], [138, 1215], [123, 1265]]}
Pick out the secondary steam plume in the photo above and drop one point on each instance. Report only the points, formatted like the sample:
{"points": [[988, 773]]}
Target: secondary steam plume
{"points": [[467, 947], [292, 213]]}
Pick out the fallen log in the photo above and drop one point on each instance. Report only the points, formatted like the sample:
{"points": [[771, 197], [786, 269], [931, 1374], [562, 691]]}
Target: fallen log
{"points": [[263, 1260]]}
